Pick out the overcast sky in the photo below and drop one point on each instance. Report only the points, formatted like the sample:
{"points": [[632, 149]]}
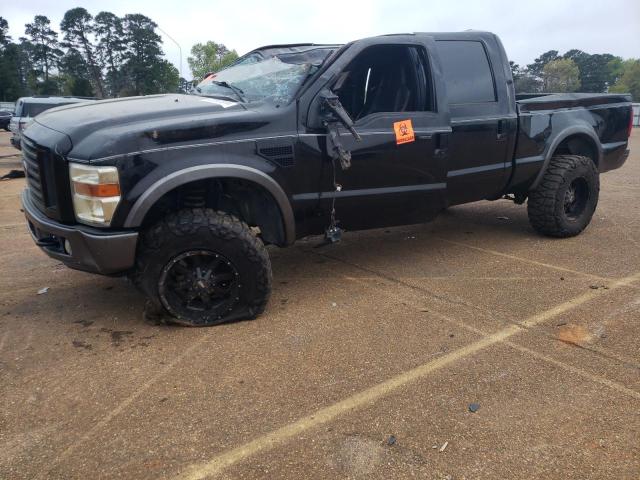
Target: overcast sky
{"points": [[526, 28]]}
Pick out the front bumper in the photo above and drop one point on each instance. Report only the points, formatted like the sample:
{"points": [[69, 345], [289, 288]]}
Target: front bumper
{"points": [[92, 250]]}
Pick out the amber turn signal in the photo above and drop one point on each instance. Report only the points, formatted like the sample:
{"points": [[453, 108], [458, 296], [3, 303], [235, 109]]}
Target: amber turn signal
{"points": [[97, 190]]}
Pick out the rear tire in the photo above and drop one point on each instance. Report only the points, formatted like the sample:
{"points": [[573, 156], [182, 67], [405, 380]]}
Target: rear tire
{"points": [[204, 268], [564, 202]]}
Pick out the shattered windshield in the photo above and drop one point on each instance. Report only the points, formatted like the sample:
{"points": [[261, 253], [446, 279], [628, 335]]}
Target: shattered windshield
{"points": [[270, 80]]}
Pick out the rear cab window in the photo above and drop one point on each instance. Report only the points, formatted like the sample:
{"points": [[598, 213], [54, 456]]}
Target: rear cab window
{"points": [[467, 72]]}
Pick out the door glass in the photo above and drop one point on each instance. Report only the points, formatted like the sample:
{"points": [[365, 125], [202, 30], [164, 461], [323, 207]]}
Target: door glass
{"points": [[466, 71], [386, 78]]}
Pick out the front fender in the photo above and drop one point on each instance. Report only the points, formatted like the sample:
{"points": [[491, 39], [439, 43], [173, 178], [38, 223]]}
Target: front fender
{"points": [[200, 172]]}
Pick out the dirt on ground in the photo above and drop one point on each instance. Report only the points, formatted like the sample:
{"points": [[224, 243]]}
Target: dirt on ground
{"points": [[466, 348]]}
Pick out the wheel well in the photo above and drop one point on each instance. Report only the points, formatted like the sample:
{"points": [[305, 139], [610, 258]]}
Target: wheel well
{"points": [[248, 201], [578, 145]]}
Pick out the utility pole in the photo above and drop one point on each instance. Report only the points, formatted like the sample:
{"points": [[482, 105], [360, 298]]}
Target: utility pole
{"points": [[177, 44]]}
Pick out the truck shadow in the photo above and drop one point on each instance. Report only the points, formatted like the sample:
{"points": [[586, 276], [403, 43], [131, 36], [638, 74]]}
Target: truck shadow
{"points": [[100, 302]]}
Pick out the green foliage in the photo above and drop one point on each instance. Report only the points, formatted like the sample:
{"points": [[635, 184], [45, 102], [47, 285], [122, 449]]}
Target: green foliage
{"points": [[5, 39], [104, 56], [11, 84], [561, 75], [595, 72], [209, 57], [45, 49], [535, 69], [629, 81], [111, 46], [77, 26], [525, 83], [166, 78], [142, 55]]}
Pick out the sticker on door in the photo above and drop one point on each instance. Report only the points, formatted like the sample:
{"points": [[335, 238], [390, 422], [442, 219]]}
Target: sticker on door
{"points": [[404, 132]]}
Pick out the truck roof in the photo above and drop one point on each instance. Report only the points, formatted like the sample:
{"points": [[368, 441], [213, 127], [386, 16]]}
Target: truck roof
{"points": [[437, 35]]}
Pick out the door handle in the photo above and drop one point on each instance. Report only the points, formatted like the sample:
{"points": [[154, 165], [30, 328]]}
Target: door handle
{"points": [[501, 133], [441, 144]]}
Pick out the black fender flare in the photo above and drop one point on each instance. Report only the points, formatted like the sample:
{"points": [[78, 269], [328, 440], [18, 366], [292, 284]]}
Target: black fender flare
{"points": [[200, 172], [558, 139]]}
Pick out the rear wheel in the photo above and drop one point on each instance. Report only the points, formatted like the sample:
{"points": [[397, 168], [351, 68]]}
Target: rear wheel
{"points": [[204, 268], [564, 202]]}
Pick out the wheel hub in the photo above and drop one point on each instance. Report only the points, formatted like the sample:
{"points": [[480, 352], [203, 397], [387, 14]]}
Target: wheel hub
{"points": [[575, 198], [200, 286]]}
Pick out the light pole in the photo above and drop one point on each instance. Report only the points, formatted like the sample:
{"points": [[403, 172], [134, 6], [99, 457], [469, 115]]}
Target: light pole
{"points": [[177, 44]]}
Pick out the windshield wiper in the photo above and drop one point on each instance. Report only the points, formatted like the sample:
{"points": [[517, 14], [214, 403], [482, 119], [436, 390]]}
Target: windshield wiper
{"points": [[239, 93], [219, 97]]}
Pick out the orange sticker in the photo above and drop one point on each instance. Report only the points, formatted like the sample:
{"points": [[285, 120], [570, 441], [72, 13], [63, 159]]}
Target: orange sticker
{"points": [[404, 132]]}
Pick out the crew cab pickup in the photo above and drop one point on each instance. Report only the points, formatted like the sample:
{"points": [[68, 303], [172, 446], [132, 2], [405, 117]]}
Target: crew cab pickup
{"points": [[183, 192]]}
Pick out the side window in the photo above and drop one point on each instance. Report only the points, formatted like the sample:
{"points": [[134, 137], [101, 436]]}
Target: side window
{"points": [[386, 78], [466, 71]]}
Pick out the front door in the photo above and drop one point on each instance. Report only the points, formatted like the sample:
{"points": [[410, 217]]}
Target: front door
{"points": [[398, 169]]}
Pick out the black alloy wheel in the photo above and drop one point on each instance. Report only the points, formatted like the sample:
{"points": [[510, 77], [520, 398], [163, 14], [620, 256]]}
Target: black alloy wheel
{"points": [[199, 284], [576, 198]]}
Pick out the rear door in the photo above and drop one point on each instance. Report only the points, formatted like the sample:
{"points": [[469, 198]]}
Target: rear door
{"points": [[398, 169], [483, 119]]}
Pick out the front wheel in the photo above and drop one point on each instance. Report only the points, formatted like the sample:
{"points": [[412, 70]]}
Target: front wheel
{"points": [[204, 268], [564, 202]]}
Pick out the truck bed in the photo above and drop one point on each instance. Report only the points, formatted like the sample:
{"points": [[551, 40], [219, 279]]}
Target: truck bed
{"points": [[550, 101], [589, 124]]}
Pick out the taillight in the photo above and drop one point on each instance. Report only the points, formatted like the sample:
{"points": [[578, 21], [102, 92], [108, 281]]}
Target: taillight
{"points": [[630, 122]]}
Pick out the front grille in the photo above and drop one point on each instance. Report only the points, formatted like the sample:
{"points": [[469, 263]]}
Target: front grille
{"points": [[32, 156]]}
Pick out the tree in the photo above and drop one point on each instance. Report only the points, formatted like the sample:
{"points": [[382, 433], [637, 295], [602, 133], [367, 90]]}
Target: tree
{"points": [[75, 78], [523, 81], [209, 57], [108, 55], [142, 54], [562, 75], [165, 77], [629, 81], [45, 44], [535, 69], [10, 81], [5, 39], [111, 47], [595, 70], [77, 26], [616, 69]]}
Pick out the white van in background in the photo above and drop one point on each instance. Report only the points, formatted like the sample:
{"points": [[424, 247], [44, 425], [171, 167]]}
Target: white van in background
{"points": [[28, 107]]}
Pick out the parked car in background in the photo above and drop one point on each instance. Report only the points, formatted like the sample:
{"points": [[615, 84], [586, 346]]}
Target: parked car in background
{"points": [[28, 107], [5, 118]]}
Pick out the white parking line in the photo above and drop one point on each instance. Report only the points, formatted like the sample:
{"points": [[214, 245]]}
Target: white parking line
{"points": [[270, 440], [525, 260]]}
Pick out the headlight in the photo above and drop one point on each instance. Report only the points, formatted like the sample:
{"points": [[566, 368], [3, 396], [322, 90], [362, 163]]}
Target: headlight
{"points": [[96, 193]]}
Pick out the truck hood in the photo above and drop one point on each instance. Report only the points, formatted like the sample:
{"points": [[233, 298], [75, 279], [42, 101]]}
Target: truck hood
{"points": [[117, 127]]}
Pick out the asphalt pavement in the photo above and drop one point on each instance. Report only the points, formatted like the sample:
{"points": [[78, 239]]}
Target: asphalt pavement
{"points": [[466, 348]]}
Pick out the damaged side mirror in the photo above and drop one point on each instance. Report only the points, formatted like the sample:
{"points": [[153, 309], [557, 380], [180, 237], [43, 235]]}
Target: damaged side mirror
{"points": [[332, 110]]}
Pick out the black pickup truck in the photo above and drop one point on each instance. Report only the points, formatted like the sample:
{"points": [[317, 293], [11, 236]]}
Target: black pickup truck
{"points": [[182, 192]]}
